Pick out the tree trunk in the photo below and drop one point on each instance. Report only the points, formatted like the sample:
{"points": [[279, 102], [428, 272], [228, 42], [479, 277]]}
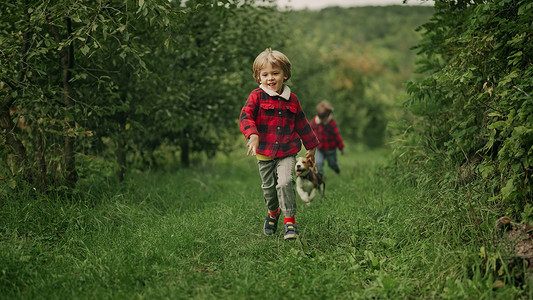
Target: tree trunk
{"points": [[67, 62], [121, 159], [185, 154], [40, 174]]}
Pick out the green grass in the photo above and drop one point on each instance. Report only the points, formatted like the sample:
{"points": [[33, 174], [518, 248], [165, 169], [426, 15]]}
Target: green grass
{"points": [[197, 234]]}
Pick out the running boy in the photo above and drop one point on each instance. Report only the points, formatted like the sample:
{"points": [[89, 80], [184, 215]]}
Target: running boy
{"points": [[327, 131], [273, 122]]}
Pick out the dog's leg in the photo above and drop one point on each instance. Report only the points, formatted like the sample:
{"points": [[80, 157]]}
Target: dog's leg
{"points": [[302, 193], [312, 195], [308, 199]]}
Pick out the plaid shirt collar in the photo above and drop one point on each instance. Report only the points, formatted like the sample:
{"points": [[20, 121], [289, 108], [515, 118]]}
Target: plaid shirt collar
{"points": [[318, 121], [286, 94]]}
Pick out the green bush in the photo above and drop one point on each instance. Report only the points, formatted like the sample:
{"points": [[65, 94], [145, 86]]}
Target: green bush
{"points": [[472, 111]]}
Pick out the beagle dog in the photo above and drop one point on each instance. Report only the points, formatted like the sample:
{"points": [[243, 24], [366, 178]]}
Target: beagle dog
{"points": [[308, 180]]}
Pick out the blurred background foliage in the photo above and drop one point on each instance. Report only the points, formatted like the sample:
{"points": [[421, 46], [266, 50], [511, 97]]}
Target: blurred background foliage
{"points": [[358, 59]]}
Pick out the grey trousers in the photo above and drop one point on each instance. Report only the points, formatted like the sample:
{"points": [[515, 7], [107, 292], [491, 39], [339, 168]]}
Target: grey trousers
{"points": [[278, 184]]}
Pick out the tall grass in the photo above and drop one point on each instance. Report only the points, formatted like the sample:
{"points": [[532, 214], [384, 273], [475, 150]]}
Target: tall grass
{"points": [[197, 233]]}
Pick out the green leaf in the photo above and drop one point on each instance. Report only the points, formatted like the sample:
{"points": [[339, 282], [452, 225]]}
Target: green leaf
{"points": [[482, 252], [76, 18], [508, 189], [497, 125], [486, 170], [85, 49], [69, 116]]}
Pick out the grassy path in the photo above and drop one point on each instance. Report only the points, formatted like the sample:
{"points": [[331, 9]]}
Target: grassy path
{"points": [[197, 234]]}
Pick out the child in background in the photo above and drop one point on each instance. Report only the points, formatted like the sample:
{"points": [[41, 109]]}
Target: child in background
{"points": [[273, 122], [330, 138]]}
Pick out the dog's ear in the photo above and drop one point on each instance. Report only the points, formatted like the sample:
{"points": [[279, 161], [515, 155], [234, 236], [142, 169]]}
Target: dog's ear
{"points": [[313, 165]]}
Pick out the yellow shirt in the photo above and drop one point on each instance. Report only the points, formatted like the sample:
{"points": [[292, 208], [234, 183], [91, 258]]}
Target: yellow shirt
{"points": [[262, 157]]}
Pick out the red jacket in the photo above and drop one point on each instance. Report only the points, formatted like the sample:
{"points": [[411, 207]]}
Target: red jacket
{"points": [[328, 134], [279, 121]]}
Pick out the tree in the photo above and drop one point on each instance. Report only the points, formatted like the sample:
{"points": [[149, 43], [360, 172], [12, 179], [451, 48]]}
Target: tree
{"points": [[42, 44], [217, 45], [116, 80]]}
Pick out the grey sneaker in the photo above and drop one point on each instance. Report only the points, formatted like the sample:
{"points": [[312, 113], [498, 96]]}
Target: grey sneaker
{"points": [[291, 231], [271, 225]]}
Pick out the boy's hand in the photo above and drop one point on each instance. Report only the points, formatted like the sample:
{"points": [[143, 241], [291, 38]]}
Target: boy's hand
{"points": [[252, 144], [311, 154]]}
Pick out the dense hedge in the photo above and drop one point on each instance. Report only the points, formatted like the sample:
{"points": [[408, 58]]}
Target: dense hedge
{"points": [[84, 84], [473, 109]]}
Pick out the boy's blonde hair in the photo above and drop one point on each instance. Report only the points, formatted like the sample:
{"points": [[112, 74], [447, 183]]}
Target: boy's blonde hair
{"points": [[324, 109], [274, 57]]}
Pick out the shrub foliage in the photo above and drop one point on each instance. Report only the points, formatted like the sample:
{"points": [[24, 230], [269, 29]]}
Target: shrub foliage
{"points": [[82, 81], [473, 109]]}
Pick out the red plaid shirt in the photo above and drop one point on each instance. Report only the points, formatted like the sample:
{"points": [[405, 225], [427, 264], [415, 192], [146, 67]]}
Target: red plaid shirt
{"points": [[279, 123], [328, 134]]}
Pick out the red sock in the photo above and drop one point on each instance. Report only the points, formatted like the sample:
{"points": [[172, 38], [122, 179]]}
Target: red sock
{"points": [[289, 220], [274, 214]]}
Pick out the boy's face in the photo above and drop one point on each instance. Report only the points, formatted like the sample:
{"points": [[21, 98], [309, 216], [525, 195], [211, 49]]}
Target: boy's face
{"points": [[272, 77]]}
